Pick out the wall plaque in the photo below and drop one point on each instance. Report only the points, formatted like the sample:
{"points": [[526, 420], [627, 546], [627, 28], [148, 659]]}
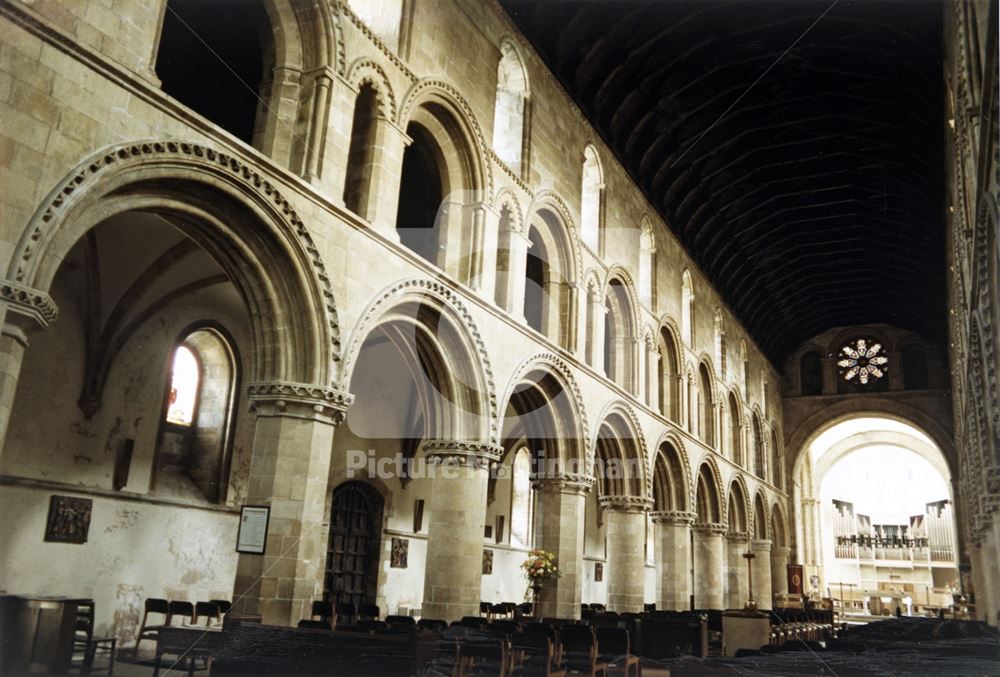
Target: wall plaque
{"points": [[487, 562], [69, 519], [399, 554], [252, 536], [598, 571]]}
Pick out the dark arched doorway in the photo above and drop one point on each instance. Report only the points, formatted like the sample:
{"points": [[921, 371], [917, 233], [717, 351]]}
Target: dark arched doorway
{"points": [[352, 554]]}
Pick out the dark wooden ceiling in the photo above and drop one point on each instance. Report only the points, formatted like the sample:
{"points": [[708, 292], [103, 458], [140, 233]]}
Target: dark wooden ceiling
{"points": [[816, 200]]}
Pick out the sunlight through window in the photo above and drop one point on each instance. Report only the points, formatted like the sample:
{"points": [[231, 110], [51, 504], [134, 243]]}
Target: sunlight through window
{"points": [[183, 387]]}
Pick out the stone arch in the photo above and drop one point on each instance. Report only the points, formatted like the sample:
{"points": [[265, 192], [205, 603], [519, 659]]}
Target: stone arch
{"points": [[738, 506], [438, 93], [708, 493], [273, 261], [758, 443], [506, 197], [707, 390], [621, 329], [671, 464], [568, 242], [761, 527], [366, 71], [779, 526], [468, 362], [544, 364], [551, 273], [736, 424], [619, 419]]}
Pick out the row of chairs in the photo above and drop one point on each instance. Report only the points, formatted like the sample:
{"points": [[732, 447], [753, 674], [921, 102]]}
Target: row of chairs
{"points": [[504, 647], [170, 612]]}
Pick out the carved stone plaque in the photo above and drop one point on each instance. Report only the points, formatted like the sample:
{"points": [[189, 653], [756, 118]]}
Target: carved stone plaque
{"points": [[598, 571], [487, 562]]}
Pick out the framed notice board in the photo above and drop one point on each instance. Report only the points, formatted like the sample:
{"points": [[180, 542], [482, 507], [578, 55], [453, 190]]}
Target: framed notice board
{"points": [[252, 536]]}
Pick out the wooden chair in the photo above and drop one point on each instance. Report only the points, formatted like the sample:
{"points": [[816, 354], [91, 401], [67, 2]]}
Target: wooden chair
{"points": [[147, 630], [89, 647], [534, 656], [224, 605], [432, 624], [579, 646], [205, 611], [178, 610], [480, 653], [347, 613], [325, 612], [615, 649], [394, 621], [313, 625], [368, 612]]}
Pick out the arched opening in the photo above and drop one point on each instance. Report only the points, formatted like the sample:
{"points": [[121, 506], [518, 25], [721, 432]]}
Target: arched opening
{"points": [[706, 406], [195, 437], [617, 463], [735, 431], [619, 336], [146, 312], [416, 381], [352, 556], [760, 525], [510, 111], [745, 370], [669, 382], [759, 455], [218, 62], [687, 308], [591, 196], [737, 544], [669, 487], [421, 192], [543, 430], [915, 375], [548, 276], [439, 187], [707, 504], [811, 374], [361, 153], [720, 344], [884, 534]]}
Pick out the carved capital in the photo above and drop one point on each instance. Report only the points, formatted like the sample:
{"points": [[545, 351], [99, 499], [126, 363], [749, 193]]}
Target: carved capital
{"points": [[27, 310], [625, 503], [299, 400], [472, 453], [673, 517], [564, 483], [781, 551], [760, 544], [709, 528], [736, 537]]}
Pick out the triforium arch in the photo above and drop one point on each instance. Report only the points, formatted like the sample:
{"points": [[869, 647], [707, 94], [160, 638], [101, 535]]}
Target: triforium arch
{"points": [[543, 404], [550, 273], [670, 480], [621, 329], [734, 427], [705, 411], [445, 181], [229, 210], [619, 445], [779, 526], [429, 324], [671, 369]]}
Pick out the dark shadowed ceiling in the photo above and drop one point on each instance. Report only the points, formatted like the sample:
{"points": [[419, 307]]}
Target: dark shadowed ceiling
{"points": [[817, 200]]}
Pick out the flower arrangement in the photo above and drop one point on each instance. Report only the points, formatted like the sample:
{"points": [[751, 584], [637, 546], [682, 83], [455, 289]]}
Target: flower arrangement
{"points": [[540, 566]]}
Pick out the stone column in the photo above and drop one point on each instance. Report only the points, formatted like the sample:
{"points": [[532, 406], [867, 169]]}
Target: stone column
{"points": [[597, 328], [560, 530], [779, 569], [517, 261], [737, 583], [653, 377], [761, 572], [709, 565], [24, 311], [625, 520], [387, 170], [289, 472], [487, 221], [453, 572], [673, 554]]}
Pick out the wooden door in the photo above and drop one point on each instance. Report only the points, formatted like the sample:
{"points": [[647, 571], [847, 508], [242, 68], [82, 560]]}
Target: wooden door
{"points": [[352, 557]]}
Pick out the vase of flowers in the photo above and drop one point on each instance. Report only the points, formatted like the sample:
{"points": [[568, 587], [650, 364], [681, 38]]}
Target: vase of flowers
{"points": [[541, 566]]}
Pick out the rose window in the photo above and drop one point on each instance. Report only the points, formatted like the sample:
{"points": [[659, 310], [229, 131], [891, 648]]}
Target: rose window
{"points": [[862, 361]]}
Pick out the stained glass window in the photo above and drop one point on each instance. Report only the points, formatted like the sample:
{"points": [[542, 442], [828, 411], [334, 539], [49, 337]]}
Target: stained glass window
{"points": [[183, 387], [862, 361]]}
